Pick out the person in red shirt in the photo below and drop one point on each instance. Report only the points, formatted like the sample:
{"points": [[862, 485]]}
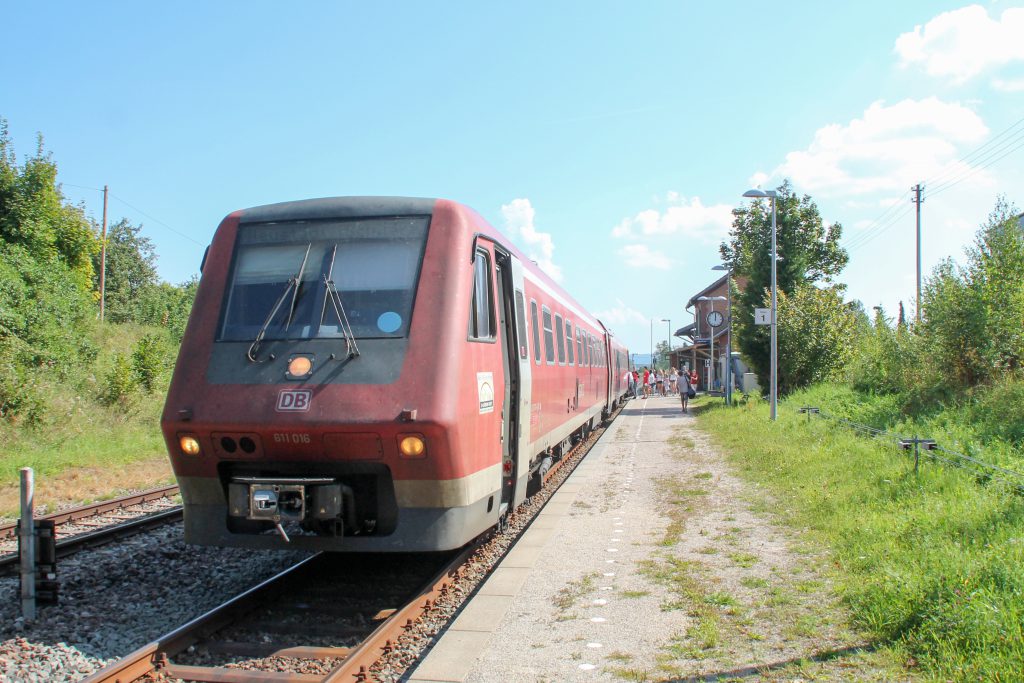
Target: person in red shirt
{"points": [[693, 378], [647, 386]]}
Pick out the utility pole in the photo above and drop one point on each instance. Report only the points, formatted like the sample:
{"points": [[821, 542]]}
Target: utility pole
{"points": [[103, 255], [917, 199]]}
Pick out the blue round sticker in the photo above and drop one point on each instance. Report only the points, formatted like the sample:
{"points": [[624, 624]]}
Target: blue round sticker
{"points": [[389, 322]]}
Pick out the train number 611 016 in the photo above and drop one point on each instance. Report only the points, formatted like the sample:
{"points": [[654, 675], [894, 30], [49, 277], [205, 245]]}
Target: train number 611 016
{"points": [[284, 437]]}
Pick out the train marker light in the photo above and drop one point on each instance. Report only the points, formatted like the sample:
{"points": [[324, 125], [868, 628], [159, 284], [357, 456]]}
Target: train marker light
{"points": [[300, 367], [412, 446], [189, 445]]}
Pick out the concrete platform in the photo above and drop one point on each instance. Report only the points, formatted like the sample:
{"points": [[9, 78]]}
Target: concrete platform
{"points": [[593, 533]]}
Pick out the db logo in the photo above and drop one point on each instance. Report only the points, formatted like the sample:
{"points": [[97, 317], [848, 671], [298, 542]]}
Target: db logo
{"points": [[294, 400]]}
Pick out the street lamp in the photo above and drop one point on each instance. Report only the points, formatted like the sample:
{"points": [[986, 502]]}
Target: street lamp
{"points": [[651, 363], [773, 391], [728, 340], [668, 341], [711, 339]]}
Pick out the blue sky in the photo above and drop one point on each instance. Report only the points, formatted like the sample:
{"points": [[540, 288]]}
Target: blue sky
{"points": [[609, 140]]}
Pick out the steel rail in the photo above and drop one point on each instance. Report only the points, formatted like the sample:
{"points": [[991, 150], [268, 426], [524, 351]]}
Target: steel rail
{"points": [[93, 509], [381, 641], [148, 658], [92, 539]]}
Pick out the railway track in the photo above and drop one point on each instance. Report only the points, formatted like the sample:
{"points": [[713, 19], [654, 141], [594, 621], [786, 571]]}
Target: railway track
{"points": [[333, 618], [88, 526]]}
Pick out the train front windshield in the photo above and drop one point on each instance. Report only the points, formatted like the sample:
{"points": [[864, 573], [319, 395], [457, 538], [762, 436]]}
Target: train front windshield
{"points": [[374, 264]]}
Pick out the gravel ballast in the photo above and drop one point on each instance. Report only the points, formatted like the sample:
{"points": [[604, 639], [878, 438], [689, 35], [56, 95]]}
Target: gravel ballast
{"points": [[120, 597]]}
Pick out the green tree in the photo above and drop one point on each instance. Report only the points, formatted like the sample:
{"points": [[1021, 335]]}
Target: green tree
{"points": [[816, 335], [168, 306], [131, 269], [809, 254], [971, 316], [35, 215], [661, 354]]}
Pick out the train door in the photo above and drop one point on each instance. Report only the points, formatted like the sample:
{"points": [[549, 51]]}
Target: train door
{"points": [[516, 367]]}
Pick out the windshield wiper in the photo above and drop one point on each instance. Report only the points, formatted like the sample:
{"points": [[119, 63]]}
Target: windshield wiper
{"points": [[293, 282], [339, 309], [298, 285]]}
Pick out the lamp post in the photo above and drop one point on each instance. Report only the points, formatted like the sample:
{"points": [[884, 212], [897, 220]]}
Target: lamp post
{"points": [[668, 341], [728, 340], [773, 391], [651, 363], [711, 345]]}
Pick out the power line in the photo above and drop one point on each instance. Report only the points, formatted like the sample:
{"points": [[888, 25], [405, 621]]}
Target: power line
{"points": [[176, 232], [968, 159], [999, 147], [883, 222], [880, 229], [1017, 143], [137, 210]]}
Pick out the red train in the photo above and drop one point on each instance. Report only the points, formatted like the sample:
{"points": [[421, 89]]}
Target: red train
{"points": [[375, 374]]}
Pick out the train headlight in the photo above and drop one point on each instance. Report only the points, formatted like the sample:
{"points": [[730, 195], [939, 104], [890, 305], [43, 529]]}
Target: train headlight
{"points": [[412, 446], [299, 367], [189, 445]]}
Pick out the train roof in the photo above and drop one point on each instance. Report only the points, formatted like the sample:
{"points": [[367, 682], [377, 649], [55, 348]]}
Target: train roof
{"points": [[338, 207]]}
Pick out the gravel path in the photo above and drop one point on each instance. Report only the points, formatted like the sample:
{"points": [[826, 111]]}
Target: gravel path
{"points": [[119, 597], [664, 571]]}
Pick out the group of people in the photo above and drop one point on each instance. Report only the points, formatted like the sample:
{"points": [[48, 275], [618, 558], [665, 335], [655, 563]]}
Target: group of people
{"points": [[656, 382]]}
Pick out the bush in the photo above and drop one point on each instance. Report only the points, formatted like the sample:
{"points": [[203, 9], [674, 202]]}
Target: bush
{"points": [[151, 360], [119, 383], [20, 401], [996, 411]]}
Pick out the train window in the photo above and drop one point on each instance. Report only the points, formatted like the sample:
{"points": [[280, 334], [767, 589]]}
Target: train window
{"points": [[521, 324], [568, 342], [560, 336], [587, 349], [579, 346], [482, 312], [549, 339], [372, 263], [536, 331]]}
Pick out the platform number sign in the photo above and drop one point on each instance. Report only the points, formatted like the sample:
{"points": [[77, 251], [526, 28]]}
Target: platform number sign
{"points": [[762, 316]]}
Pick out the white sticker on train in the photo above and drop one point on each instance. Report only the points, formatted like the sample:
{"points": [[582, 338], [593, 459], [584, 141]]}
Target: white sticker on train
{"points": [[485, 391]]}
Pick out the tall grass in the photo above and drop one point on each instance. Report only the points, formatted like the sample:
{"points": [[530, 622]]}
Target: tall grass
{"points": [[930, 564], [78, 427]]}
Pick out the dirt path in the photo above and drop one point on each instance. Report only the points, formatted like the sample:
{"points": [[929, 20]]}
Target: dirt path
{"points": [[666, 570]]}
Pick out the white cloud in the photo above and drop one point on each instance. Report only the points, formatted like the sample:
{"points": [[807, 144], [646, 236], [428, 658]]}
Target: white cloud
{"points": [[519, 221], [621, 314], [641, 256], [681, 217], [1009, 85], [758, 179], [888, 148], [962, 43]]}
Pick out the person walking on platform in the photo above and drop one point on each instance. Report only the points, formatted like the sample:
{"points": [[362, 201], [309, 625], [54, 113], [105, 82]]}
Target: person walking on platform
{"points": [[673, 380], [644, 378], [636, 384], [684, 389], [627, 379], [659, 383]]}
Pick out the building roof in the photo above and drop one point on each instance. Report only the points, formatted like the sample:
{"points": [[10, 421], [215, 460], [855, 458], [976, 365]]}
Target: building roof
{"points": [[710, 288]]}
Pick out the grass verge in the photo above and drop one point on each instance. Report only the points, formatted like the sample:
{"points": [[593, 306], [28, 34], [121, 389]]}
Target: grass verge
{"points": [[930, 564]]}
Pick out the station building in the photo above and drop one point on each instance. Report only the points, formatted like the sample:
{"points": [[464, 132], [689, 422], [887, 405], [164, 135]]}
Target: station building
{"points": [[707, 341]]}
